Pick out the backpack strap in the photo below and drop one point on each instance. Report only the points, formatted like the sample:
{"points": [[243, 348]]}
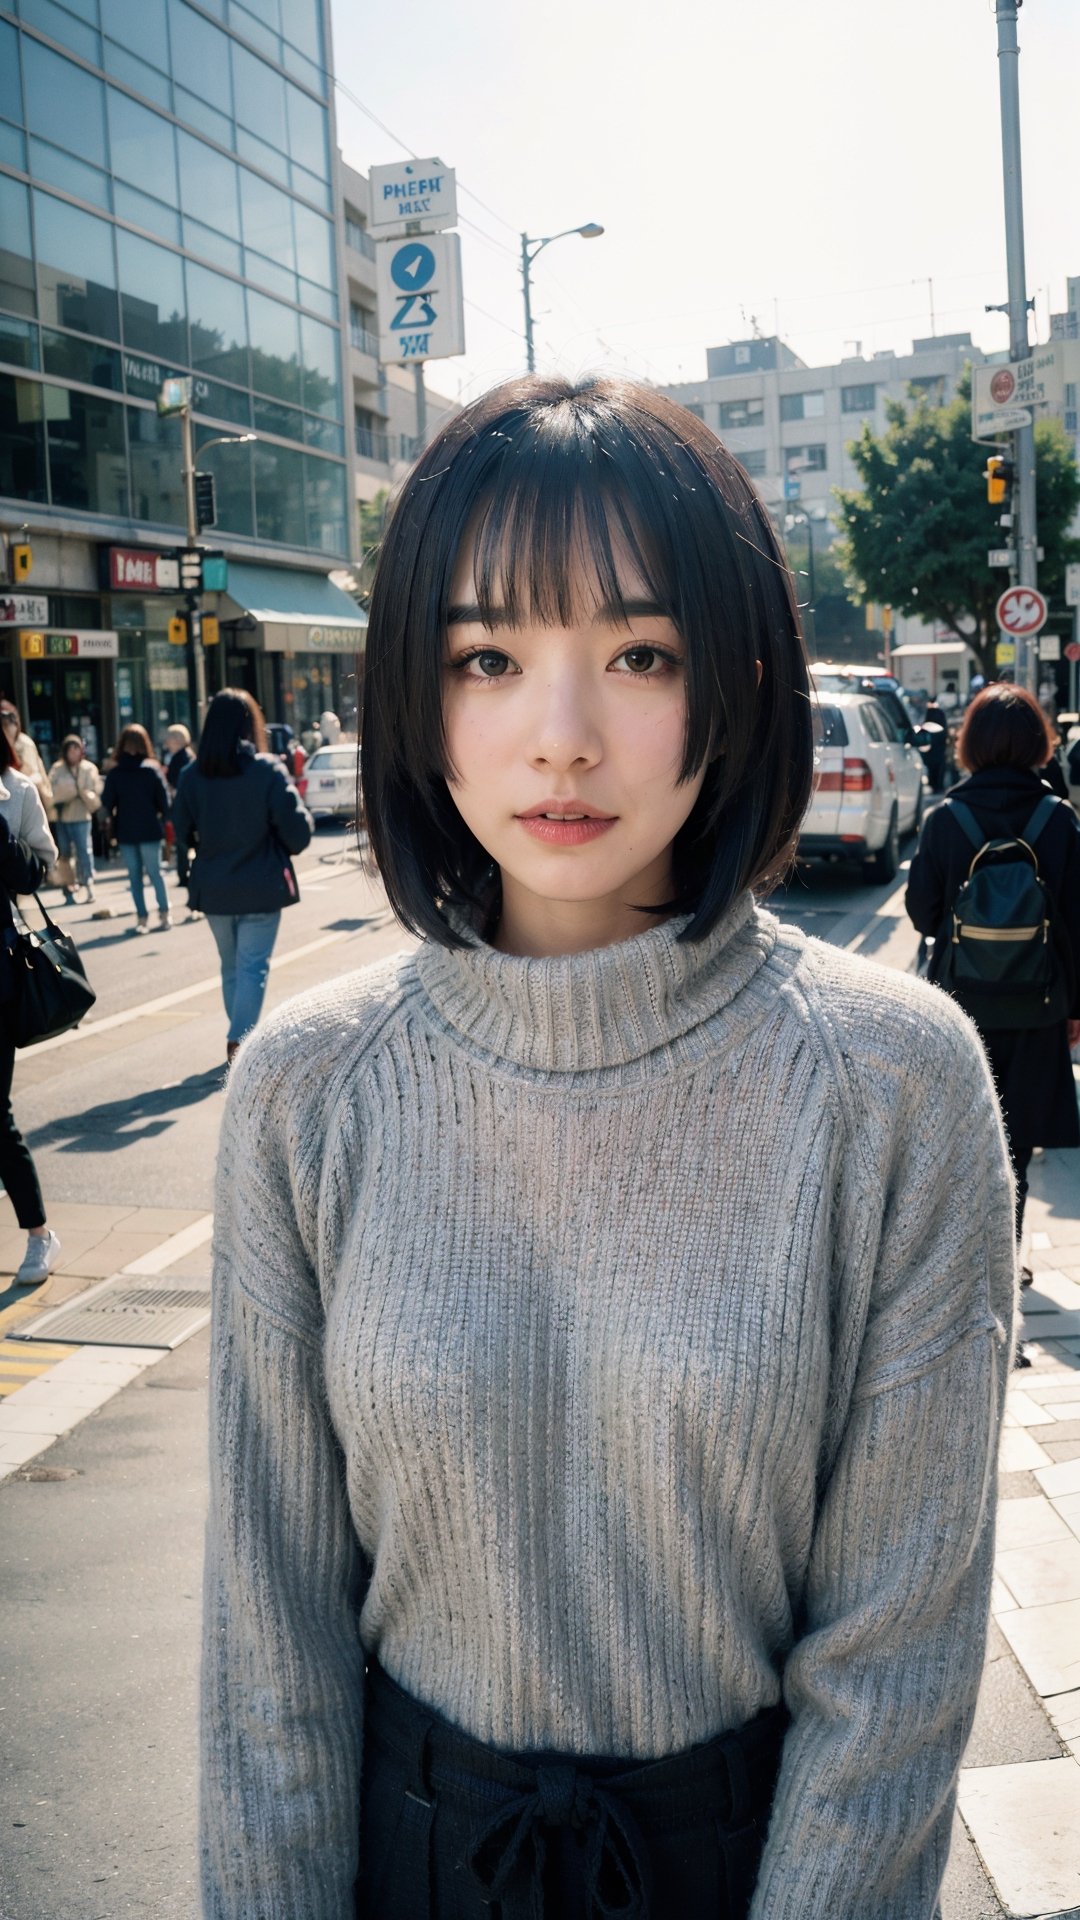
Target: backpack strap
{"points": [[1045, 811], [966, 820]]}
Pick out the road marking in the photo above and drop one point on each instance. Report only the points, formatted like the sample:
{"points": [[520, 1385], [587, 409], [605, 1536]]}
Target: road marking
{"points": [[147, 1007], [174, 1248]]}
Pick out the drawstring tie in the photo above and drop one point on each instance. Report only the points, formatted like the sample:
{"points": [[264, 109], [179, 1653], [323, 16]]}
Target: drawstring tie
{"points": [[615, 1865]]}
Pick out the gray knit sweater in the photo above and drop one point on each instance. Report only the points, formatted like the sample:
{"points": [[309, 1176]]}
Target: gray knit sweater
{"points": [[609, 1343]]}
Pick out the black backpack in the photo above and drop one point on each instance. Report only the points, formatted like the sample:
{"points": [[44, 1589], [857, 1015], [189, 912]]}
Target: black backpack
{"points": [[1005, 961]]}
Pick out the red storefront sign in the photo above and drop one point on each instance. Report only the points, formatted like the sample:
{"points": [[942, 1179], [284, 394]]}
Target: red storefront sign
{"points": [[137, 570]]}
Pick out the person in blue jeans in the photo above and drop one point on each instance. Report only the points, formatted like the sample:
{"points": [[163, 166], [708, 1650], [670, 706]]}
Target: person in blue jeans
{"points": [[137, 801], [76, 790], [239, 806]]}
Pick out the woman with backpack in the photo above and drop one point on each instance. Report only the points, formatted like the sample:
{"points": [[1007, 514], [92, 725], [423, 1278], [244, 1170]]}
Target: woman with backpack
{"points": [[246, 817], [605, 1388], [1023, 993], [137, 800]]}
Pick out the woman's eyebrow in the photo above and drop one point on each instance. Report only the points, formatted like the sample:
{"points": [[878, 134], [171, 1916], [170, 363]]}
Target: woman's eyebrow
{"points": [[471, 613]]}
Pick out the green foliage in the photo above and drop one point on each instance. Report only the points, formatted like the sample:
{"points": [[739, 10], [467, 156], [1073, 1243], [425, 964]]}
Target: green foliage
{"points": [[372, 523], [917, 532], [839, 624]]}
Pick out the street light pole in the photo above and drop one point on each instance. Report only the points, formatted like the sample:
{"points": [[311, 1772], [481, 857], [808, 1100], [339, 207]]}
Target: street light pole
{"points": [[1026, 532], [192, 596], [529, 250]]}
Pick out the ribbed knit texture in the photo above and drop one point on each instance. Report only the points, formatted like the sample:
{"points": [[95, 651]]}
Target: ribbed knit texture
{"points": [[609, 1343]]}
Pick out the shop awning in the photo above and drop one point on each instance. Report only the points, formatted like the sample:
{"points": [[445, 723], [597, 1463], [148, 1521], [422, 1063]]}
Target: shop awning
{"points": [[298, 612]]}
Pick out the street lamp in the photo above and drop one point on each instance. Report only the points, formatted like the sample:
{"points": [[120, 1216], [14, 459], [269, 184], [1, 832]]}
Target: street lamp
{"points": [[529, 250]]}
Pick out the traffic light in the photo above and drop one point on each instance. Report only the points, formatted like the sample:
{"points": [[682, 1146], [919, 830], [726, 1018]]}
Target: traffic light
{"points": [[999, 474], [22, 559], [211, 631], [177, 631], [205, 503]]}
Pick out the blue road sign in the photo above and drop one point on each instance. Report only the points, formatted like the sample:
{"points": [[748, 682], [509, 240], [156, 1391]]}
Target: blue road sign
{"points": [[412, 267]]}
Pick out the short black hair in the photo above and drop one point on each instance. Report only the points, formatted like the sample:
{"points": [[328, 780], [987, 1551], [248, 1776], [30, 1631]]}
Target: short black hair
{"points": [[547, 470], [232, 718]]}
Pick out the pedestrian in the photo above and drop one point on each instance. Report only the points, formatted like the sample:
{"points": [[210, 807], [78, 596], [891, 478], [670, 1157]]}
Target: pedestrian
{"points": [[179, 753], [27, 756], [76, 788], [246, 817], [27, 851], [606, 1382], [1004, 743], [137, 799], [938, 745]]}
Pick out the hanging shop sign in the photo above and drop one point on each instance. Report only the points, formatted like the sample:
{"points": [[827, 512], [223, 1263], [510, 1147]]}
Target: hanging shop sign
{"points": [[83, 644], [140, 570]]}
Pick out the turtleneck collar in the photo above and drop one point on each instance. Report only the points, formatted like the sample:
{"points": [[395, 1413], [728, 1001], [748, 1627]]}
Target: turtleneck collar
{"points": [[607, 1007]]}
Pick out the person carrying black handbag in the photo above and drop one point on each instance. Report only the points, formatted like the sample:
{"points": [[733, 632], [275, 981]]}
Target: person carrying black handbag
{"points": [[27, 852], [237, 802], [1004, 742]]}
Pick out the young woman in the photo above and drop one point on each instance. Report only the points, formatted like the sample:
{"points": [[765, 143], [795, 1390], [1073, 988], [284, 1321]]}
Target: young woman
{"points": [[28, 758], [237, 802], [612, 1294], [76, 789], [137, 798], [27, 851], [1005, 747]]}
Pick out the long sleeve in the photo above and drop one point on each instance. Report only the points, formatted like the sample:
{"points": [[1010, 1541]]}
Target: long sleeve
{"points": [[20, 871], [34, 828], [925, 898], [289, 817], [282, 1687], [883, 1679]]}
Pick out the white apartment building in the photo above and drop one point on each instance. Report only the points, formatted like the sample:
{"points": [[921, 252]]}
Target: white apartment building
{"points": [[790, 424], [381, 409]]}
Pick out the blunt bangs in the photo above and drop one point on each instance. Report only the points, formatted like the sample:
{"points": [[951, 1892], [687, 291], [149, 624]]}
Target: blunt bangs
{"points": [[566, 490]]}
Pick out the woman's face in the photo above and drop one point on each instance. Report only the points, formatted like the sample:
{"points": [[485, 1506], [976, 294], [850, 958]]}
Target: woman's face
{"points": [[74, 753], [584, 720], [9, 720]]}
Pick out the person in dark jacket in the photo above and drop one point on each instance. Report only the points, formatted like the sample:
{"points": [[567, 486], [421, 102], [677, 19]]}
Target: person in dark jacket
{"points": [[246, 817], [137, 800], [179, 754], [1003, 743], [27, 851]]}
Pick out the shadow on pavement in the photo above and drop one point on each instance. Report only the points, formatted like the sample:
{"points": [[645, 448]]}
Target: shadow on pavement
{"points": [[116, 1123]]}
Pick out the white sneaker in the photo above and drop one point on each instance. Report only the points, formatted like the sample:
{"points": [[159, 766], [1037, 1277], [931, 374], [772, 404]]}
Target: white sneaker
{"points": [[41, 1256], [141, 926]]}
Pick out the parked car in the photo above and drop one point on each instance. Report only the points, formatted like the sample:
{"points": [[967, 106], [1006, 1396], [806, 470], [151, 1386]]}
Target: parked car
{"points": [[868, 786], [331, 782], [916, 739]]}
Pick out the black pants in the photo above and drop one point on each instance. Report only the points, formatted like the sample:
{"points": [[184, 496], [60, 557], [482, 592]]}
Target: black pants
{"points": [[1021, 1161], [16, 1167], [452, 1829]]}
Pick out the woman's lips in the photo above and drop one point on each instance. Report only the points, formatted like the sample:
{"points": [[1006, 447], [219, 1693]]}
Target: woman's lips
{"points": [[563, 833]]}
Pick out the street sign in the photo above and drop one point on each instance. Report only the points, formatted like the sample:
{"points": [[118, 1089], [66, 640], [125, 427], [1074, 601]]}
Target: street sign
{"points": [[1001, 557], [410, 192], [1072, 651], [1050, 646], [421, 313], [17, 608], [792, 487], [1005, 654], [1003, 395], [1072, 584], [136, 570], [175, 395], [1021, 611], [215, 573]]}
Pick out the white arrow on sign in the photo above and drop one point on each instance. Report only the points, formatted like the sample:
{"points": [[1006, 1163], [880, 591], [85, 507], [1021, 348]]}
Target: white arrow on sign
{"points": [[1021, 611]]}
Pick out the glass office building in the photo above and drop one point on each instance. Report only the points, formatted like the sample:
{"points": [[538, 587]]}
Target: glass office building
{"points": [[168, 205]]}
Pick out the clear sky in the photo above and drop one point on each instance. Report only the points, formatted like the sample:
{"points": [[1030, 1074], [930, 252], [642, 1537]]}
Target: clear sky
{"points": [[810, 165]]}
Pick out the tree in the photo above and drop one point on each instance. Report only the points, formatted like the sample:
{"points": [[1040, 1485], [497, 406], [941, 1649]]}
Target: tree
{"points": [[372, 524], [916, 534], [839, 626]]}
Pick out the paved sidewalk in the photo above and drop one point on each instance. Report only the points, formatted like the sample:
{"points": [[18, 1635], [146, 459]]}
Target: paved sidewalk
{"points": [[1024, 1816]]}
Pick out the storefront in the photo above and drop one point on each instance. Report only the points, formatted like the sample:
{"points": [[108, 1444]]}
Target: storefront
{"points": [[59, 676], [292, 639]]}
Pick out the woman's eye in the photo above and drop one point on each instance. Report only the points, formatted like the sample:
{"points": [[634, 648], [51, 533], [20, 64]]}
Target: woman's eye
{"points": [[648, 662], [488, 662]]}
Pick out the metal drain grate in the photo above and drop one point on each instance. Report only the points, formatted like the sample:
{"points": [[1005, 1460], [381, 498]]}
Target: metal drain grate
{"points": [[126, 1311]]}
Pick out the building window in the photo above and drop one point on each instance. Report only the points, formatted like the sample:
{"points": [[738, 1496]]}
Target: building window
{"points": [[752, 459], [741, 413], [87, 455], [356, 234], [152, 298], [76, 276], [802, 406], [16, 264], [931, 388], [804, 460], [22, 439], [742, 356], [858, 399], [362, 332], [695, 407]]}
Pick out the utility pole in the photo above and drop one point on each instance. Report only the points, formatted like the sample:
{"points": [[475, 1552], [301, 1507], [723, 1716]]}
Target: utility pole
{"points": [[1026, 541], [192, 598], [530, 247], [421, 406]]}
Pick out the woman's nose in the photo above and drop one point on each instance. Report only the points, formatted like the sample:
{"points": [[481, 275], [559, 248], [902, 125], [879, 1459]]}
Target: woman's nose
{"points": [[564, 728]]}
